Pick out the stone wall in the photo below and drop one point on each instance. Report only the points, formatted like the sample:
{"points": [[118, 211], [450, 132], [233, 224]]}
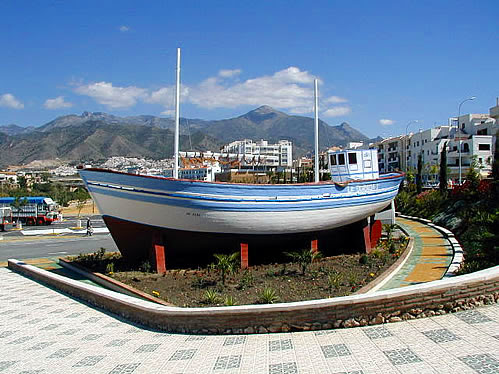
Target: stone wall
{"points": [[439, 297]]}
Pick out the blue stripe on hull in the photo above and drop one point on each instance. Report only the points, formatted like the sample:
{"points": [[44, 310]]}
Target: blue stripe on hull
{"points": [[167, 185], [231, 205]]}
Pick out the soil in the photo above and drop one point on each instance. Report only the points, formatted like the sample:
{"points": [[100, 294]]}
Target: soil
{"points": [[338, 275]]}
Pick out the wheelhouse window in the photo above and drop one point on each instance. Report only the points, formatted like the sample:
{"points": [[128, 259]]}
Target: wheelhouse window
{"points": [[341, 159], [484, 147], [332, 159], [352, 158]]}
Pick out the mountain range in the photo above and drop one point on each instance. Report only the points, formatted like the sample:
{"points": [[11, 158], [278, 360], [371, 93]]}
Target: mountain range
{"points": [[96, 136]]}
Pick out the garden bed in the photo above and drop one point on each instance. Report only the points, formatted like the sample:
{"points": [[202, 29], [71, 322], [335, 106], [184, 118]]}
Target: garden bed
{"points": [[333, 276]]}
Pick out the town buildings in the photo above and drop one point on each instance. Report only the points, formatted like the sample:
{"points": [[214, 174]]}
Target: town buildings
{"points": [[469, 138]]}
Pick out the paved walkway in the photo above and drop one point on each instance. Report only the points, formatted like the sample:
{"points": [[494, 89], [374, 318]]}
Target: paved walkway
{"points": [[429, 260], [44, 331]]}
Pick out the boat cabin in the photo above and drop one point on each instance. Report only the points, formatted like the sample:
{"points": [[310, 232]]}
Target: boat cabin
{"points": [[353, 164]]}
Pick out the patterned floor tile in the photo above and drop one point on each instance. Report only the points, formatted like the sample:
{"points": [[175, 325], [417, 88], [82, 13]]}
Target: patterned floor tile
{"points": [[233, 340], [61, 353], [117, 343], [283, 368], [6, 364], [335, 350], [482, 363], [227, 362], [280, 345], [472, 317], [183, 354], [377, 332], [147, 348], [440, 335], [125, 368], [88, 361], [402, 356]]}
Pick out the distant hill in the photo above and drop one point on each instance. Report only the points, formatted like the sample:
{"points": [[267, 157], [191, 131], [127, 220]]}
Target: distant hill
{"points": [[15, 129], [96, 136]]}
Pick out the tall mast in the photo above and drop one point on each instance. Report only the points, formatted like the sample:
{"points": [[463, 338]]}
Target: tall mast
{"points": [[177, 116], [316, 123]]}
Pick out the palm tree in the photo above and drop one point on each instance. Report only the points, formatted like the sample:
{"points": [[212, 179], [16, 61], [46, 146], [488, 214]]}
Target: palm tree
{"points": [[304, 258], [226, 264]]}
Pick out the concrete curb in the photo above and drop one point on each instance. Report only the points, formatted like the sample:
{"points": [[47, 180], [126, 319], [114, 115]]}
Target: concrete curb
{"points": [[306, 315], [109, 283]]}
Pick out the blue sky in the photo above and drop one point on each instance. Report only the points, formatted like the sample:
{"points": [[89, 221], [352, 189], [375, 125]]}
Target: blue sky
{"points": [[376, 60]]}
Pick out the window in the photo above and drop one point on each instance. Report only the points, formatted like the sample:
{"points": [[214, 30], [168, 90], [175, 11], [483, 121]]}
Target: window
{"points": [[341, 159], [352, 158], [332, 159], [484, 147]]}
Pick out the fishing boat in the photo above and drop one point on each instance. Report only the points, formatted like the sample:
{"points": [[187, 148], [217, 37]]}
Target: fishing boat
{"points": [[141, 209]]}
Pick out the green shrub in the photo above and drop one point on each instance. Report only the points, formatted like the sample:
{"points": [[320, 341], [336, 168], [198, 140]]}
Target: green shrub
{"points": [[145, 267], [247, 280], [229, 300], [211, 297], [363, 260], [268, 296], [334, 279], [110, 268], [304, 258]]}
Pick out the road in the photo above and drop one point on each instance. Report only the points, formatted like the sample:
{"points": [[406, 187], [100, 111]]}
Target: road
{"points": [[15, 244]]}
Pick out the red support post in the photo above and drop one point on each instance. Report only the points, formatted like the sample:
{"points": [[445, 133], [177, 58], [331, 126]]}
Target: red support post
{"points": [[314, 246], [158, 254], [367, 237], [244, 256], [376, 230]]}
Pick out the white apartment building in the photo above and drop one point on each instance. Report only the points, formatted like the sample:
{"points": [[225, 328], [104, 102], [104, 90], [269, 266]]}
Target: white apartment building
{"points": [[475, 136], [261, 152]]}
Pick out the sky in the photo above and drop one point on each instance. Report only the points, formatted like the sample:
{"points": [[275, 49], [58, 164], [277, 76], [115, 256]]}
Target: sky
{"points": [[380, 64]]}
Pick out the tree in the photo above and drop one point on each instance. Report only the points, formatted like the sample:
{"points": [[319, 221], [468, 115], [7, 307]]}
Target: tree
{"points": [[81, 199], [18, 203], [23, 184], [419, 176], [443, 169], [495, 168]]}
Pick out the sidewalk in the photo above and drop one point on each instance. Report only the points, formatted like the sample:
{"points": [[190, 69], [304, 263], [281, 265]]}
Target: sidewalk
{"points": [[42, 330], [429, 260]]}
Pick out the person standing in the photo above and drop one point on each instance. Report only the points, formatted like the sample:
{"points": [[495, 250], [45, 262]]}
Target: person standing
{"points": [[89, 227]]}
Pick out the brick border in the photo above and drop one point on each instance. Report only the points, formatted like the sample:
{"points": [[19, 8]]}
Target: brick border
{"points": [[438, 297]]}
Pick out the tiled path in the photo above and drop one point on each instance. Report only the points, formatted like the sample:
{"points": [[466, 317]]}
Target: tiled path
{"points": [[430, 258], [44, 331]]}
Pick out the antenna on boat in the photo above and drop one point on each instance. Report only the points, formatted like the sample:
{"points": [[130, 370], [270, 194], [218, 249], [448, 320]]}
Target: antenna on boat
{"points": [[316, 123], [177, 117]]}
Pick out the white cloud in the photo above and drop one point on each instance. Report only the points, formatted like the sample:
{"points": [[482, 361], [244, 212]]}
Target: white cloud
{"points": [[168, 112], [337, 111], [335, 100], [229, 73], [289, 89], [113, 97], [386, 122], [8, 100], [124, 28], [57, 103]]}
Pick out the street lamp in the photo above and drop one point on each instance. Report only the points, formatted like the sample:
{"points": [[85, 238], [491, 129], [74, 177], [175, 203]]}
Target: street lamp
{"points": [[459, 134], [406, 141]]}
